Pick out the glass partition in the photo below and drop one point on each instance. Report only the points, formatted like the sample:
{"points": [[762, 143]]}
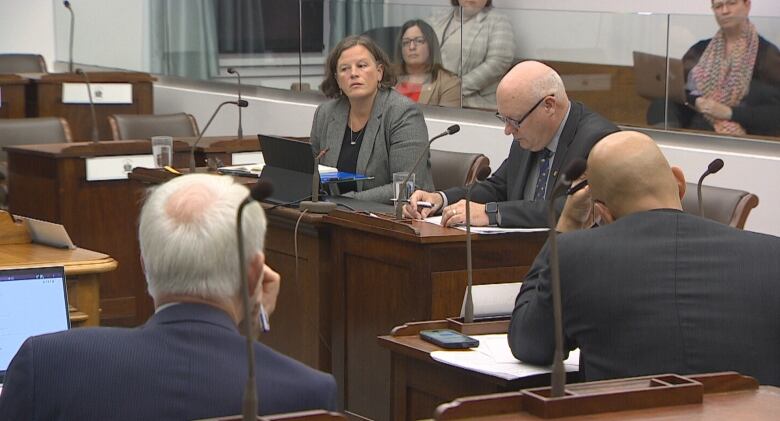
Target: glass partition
{"points": [[627, 66]]}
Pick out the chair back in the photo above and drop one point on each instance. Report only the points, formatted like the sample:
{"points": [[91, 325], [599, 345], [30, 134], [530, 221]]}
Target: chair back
{"points": [[22, 63], [133, 126], [727, 206], [457, 169], [30, 131]]}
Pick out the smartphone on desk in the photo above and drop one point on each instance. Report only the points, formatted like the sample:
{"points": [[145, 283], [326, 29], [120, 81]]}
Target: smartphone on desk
{"points": [[447, 338]]}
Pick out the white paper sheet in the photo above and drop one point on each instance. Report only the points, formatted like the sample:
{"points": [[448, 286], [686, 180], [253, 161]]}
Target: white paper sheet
{"points": [[485, 230], [494, 357]]}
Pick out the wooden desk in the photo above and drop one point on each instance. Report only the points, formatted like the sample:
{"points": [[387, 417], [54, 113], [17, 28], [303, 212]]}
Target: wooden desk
{"points": [[12, 95], [385, 273], [420, 384], [83, 269]]}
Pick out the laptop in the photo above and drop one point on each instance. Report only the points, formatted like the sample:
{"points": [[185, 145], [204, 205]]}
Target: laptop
{"points": [[650, 77], [33, 301], [48, 233]]}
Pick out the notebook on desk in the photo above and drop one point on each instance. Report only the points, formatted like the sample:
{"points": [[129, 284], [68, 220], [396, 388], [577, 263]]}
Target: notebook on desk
{"points": [[33, 301]]}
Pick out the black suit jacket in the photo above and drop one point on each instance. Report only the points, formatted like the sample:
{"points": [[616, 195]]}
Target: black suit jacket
{"points": [[582, 130], [658, 292], [187, 362]]}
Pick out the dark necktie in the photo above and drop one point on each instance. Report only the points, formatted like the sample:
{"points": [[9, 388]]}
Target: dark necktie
{"points": [[544, 171]]}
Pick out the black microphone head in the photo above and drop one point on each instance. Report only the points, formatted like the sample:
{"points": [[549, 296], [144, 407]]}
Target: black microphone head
{"points": [[715, 166], [231, 70], [81, 72], [261, 190], [242, 103], [453, 129], [574, 170], [66, 3]]}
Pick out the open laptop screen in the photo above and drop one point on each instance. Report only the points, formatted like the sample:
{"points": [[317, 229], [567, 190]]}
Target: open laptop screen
{"points": [[32, 302]]}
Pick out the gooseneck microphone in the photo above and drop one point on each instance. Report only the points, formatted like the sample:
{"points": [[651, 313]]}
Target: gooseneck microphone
{"points": [[258, 192], [399, 204], [314, 205], [233, 71], [70, 41], [558, 376], [240, 104], [715, 166], [91, 105], [468, 312]]}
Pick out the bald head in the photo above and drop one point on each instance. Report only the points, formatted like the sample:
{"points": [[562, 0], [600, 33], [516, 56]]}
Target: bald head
{"points": [[529, 81], [629, 173]]}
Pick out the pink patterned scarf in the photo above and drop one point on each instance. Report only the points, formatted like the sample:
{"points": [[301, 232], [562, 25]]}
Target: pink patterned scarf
{"points": [[726, 78]]}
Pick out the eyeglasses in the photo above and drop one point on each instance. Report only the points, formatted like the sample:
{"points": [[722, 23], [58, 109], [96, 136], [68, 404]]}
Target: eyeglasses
{"points": [[719, 4], [516, 123], [406, 42]]}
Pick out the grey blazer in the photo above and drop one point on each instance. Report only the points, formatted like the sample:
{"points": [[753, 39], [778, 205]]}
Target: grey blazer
{"points": [[395, 136]]}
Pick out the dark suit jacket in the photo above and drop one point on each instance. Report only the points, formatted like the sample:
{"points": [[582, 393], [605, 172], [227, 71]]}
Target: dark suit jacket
{"points": [[395, 137], [188, 361], [581, 131], [658, 292]]}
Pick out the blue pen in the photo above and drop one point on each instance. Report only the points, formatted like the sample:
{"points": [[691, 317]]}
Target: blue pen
{"points": [[262, 319]]}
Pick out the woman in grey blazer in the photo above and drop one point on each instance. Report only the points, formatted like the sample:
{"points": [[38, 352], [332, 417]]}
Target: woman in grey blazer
{"points": [[367, 127], [488, 48]]}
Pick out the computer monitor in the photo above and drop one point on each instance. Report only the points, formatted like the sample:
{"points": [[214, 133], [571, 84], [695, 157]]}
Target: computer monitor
{"points": [[33, 301]]}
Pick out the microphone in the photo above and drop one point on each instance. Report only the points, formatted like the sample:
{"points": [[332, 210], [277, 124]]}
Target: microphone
{"points": [[468, 313], [240, 104], [715, 166], [399, 204], [258, 192], [91, 105], [70, 48], [233, 71], [314, 205], [558, 376]]}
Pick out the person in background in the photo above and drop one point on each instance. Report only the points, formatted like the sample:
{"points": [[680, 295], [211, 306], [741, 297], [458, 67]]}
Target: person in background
{"points": [[732, 79], [653, 289], [421, 75], [189, 361], [368, 127], [488, 47]]}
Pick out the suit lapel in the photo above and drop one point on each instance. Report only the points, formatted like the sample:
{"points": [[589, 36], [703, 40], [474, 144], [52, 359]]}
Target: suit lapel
{"points": [[372, 131], [337, 125], [470, 35], [567, 137], [426, 93], [523, 167]]}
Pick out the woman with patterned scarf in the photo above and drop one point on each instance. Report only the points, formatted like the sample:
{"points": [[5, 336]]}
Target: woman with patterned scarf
{"points": [[733, 79]]}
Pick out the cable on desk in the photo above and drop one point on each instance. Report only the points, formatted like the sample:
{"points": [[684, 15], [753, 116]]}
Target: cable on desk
{"points": [[295, 242]]}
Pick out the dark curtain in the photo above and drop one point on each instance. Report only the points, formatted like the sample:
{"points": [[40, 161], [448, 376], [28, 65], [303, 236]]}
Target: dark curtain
{"points": [[240, 26]]}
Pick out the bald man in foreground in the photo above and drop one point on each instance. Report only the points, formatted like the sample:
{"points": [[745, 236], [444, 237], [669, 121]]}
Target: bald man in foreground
{"points": [[549, 132], [189, 361], [653, 290]]}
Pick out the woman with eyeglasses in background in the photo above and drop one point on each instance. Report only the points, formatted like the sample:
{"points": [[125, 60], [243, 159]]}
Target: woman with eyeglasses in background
{"points": [[487, 48], [368, 127], [732, 79], [421, 75]]}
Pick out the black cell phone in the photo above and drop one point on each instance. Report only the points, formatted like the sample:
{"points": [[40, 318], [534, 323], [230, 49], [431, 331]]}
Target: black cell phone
{"points": [[447, 338]]}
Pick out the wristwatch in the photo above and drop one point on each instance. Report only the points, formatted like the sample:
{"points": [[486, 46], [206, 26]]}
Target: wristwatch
{"points": [[491, 209]]}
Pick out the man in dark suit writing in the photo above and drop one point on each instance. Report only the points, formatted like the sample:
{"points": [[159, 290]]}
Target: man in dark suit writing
{"points": [[653, 290], [189, 360], [549, 132]]}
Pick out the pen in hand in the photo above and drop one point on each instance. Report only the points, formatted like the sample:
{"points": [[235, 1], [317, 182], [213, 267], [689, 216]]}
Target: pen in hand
{"points": [[577, 187]]}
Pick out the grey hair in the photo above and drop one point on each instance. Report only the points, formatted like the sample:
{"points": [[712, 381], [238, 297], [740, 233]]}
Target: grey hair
{"points": [[187, 234], [549, 84]]}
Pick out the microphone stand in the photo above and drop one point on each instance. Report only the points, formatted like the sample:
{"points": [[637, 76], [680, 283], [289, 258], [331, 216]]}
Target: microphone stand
{"points": [[399, 202], [91, 105], [239, 104], [714, 167], [468, 312], [314, 205], [70, 48], [233, 71]]}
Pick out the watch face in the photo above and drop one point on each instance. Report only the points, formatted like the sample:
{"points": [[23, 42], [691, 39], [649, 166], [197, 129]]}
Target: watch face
{"points": [[491, 207]]}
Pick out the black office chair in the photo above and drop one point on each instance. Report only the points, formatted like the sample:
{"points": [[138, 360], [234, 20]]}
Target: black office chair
{"points": [[22, 63], [727, 206], [133, 126], [28, 131], [456, 169]]}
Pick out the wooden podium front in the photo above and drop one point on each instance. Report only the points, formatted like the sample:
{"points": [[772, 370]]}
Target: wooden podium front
{"points": [[49, 102], [13, 96]]}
